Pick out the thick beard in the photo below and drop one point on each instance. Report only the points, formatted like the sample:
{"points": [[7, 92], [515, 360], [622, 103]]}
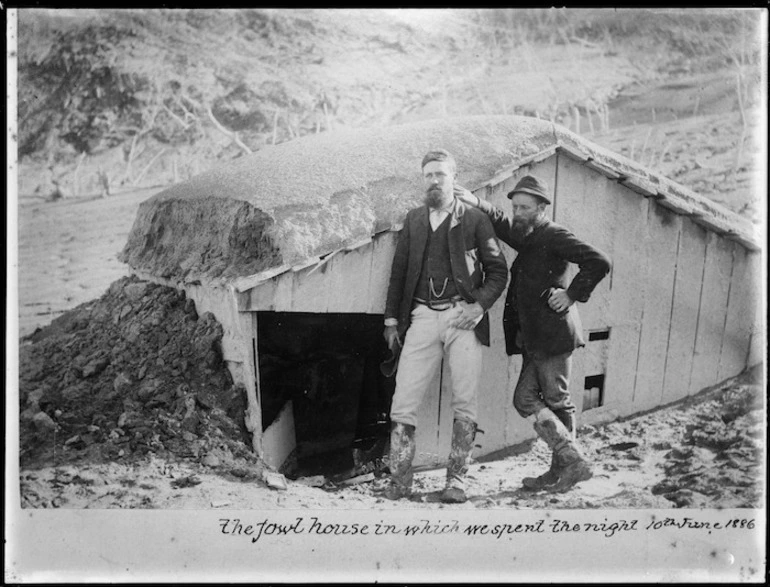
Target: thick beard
{"points": [[434, 198], [522, 228]]}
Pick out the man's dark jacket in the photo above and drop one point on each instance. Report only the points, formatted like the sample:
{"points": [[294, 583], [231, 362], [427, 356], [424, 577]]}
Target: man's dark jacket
{"points": [[478, 265], [541, 264]]}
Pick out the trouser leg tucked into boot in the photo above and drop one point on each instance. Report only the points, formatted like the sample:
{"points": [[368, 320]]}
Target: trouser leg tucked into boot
{"points": [[551, 476], [402, 448], [573, 467], [463, 435]]}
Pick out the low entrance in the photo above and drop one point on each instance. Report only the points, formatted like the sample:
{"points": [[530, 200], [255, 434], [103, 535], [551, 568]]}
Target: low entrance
{"points": [[325, 370]]}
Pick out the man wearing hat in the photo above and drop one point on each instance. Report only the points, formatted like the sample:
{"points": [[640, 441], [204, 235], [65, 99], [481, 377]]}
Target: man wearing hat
{"points": [[448, 270], [541, 322]]}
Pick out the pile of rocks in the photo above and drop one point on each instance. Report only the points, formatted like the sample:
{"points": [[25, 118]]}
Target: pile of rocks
{"points": [[134, 372]]}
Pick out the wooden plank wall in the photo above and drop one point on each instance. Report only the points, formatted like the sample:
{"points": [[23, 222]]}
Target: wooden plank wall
{"points": [[758, 341], [682, 305], [353, 281], [713, 310], [658, 274], [679, 302], [743, 298], [688, 282]]}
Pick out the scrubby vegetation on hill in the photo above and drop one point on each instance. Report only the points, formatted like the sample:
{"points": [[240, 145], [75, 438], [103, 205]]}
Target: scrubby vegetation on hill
{"points": [[115, 99]]}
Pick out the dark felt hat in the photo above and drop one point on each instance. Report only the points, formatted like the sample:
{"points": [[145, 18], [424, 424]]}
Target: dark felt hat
{"points": [[534, 186]]}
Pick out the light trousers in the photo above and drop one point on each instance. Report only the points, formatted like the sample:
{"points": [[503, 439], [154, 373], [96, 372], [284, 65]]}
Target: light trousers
{"points": [[428, 340]]}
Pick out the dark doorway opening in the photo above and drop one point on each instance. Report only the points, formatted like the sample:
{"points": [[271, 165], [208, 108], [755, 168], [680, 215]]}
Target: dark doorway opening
{"points": [[328, 366]]}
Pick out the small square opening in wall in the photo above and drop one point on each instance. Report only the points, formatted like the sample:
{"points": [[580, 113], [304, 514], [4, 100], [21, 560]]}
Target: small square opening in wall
{"points": [[593, 394], [599, 335]]}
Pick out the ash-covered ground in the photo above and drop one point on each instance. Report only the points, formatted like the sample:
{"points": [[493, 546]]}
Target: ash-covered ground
{"points": [[125, 402]]}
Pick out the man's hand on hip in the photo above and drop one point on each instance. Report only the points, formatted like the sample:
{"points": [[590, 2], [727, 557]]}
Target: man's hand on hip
{"points": [[559, 300], [469, 316], [391, 337]]}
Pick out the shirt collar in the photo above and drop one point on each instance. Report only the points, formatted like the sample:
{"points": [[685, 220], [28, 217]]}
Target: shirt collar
{"points": [[446, 209]]}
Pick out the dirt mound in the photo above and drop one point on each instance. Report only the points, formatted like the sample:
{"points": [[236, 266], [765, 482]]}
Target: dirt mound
{"points": [[134, 372]]}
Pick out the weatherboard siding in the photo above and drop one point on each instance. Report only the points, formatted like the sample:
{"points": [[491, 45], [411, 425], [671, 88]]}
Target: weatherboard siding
{"points": [[757, 347], [627, 291], [658, 255], [688, 283], [742, 299], [713, 309]]}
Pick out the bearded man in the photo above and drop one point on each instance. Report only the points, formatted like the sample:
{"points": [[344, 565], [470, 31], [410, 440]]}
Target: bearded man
{"points": [[541, 322], [447, 271]]}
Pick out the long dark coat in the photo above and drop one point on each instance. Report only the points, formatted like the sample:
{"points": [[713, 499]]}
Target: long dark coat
{"points": [[478, 265], [542, 261]]}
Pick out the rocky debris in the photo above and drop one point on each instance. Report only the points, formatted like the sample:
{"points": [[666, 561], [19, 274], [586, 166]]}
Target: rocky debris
{"points": [[183, 482], [134, 372], [721, 451]]}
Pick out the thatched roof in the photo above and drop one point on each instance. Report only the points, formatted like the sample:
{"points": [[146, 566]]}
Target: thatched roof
{"points": [[291, 202]]}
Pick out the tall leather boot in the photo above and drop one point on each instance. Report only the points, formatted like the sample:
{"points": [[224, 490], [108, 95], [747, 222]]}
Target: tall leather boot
{"points": [[551, 476], [573, 466], [402, 448], [463, 435]]}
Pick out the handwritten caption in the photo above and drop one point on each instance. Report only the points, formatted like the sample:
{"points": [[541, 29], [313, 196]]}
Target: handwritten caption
{"points": [[314, 526]]}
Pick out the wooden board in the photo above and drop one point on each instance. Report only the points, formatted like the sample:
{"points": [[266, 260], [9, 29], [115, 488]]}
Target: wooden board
{"points": [[627, 297], [758, 344], [658, 270], [688, 282], [741, 302], [348, 285], [283, 300], [259, 298], [383, 249], [496, 390], [353, 281], [711, 317]]}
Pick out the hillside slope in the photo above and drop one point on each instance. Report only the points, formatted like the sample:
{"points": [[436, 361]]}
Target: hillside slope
{"points": [[111, 100]]}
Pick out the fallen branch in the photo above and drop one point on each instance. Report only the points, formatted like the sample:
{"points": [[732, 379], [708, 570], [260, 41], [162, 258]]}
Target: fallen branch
{"points": [[739, 90], [576, 116], [127, 174], [288, 125], [147, 167], [233, 135], [76, 174], [181, 122], [275, 124]]}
